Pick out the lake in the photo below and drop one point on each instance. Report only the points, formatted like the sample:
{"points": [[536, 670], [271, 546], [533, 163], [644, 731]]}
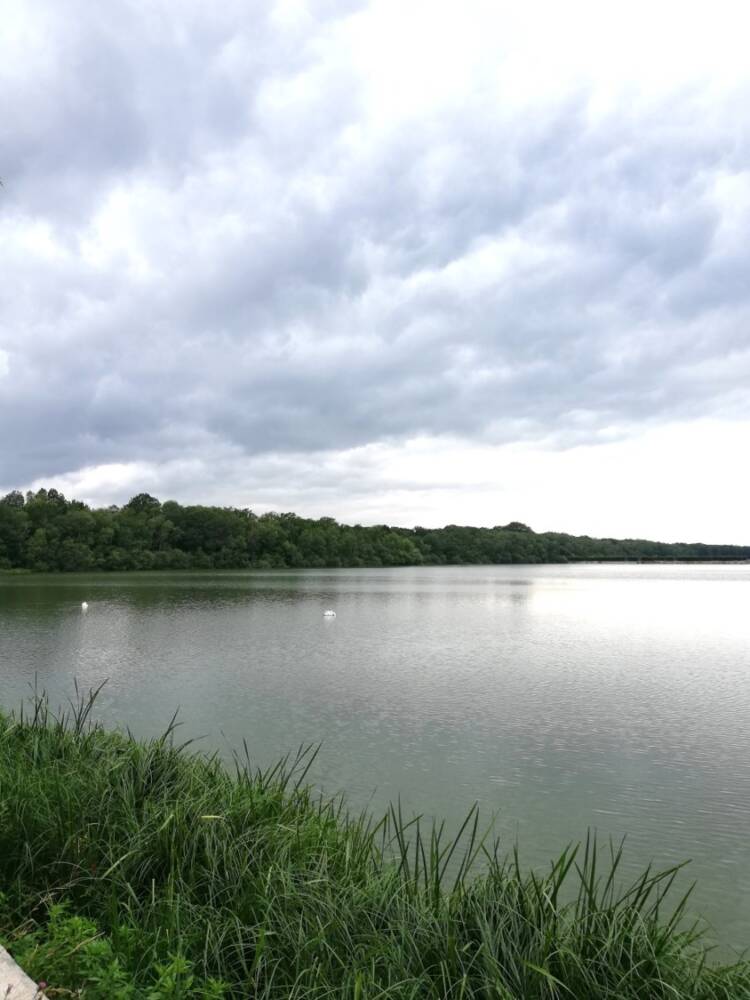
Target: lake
{"points": [[560, 698]]}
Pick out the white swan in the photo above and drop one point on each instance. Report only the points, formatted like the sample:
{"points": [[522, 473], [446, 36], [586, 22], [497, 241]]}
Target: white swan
{"points": [[84, 605], [329, 614]]}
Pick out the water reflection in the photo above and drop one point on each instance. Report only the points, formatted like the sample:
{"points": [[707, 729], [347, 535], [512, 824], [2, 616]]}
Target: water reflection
{"points": [[558, 697]]}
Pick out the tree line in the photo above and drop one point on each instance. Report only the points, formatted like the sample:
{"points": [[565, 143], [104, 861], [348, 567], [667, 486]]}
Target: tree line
{"points": [[44, 531]]}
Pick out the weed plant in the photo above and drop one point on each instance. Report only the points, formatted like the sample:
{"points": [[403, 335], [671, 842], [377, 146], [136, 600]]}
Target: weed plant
{"points": [[141, 869]]}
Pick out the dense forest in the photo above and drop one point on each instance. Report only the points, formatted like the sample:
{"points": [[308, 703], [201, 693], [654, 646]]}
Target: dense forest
{"points": [[43, 531]]}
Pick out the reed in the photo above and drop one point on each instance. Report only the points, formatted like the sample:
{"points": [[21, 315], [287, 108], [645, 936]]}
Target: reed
{"points": [[191, 879]]}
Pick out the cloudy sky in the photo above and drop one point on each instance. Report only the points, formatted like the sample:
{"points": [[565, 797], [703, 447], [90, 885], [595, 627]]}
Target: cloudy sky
{"points": [[403, 261]]}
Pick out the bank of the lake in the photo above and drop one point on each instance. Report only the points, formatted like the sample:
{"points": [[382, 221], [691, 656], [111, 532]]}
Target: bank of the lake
{"points": [[138, 868], [46, 532]]}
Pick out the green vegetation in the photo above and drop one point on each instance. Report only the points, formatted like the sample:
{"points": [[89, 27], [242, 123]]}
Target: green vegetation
{"points": [[45, 532], [141, 870]]}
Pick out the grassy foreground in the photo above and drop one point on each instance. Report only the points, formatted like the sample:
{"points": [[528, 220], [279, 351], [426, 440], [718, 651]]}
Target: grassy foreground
{"points": [[133, 869]]}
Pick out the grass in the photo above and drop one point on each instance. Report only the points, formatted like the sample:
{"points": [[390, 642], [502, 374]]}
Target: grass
{"points": [[140, 869]]}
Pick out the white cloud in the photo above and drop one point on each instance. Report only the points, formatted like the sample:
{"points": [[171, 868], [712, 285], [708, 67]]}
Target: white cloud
{"points": [[292, 242]]}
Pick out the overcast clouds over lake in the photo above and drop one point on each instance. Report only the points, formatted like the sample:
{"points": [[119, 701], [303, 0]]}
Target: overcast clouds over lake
{"points": [[407, 262]]}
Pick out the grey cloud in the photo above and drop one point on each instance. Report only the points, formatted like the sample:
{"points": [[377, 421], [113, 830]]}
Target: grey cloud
{"points": [[301, 291]]}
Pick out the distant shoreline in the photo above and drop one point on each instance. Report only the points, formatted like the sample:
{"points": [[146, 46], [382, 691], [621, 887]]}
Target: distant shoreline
{"points": [[45, 532]]}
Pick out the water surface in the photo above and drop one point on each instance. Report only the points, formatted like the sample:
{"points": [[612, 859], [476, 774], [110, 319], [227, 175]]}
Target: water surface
{"points": [[559, 698]]}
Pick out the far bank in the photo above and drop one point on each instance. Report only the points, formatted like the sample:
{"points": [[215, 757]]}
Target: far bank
{"points": [[45, 532]]}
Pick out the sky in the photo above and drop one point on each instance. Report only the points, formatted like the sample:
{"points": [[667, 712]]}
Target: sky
{"points": [[404, 262]]}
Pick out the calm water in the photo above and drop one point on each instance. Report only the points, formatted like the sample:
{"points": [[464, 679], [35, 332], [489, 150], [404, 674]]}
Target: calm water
{"points": [[560, 698]]}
